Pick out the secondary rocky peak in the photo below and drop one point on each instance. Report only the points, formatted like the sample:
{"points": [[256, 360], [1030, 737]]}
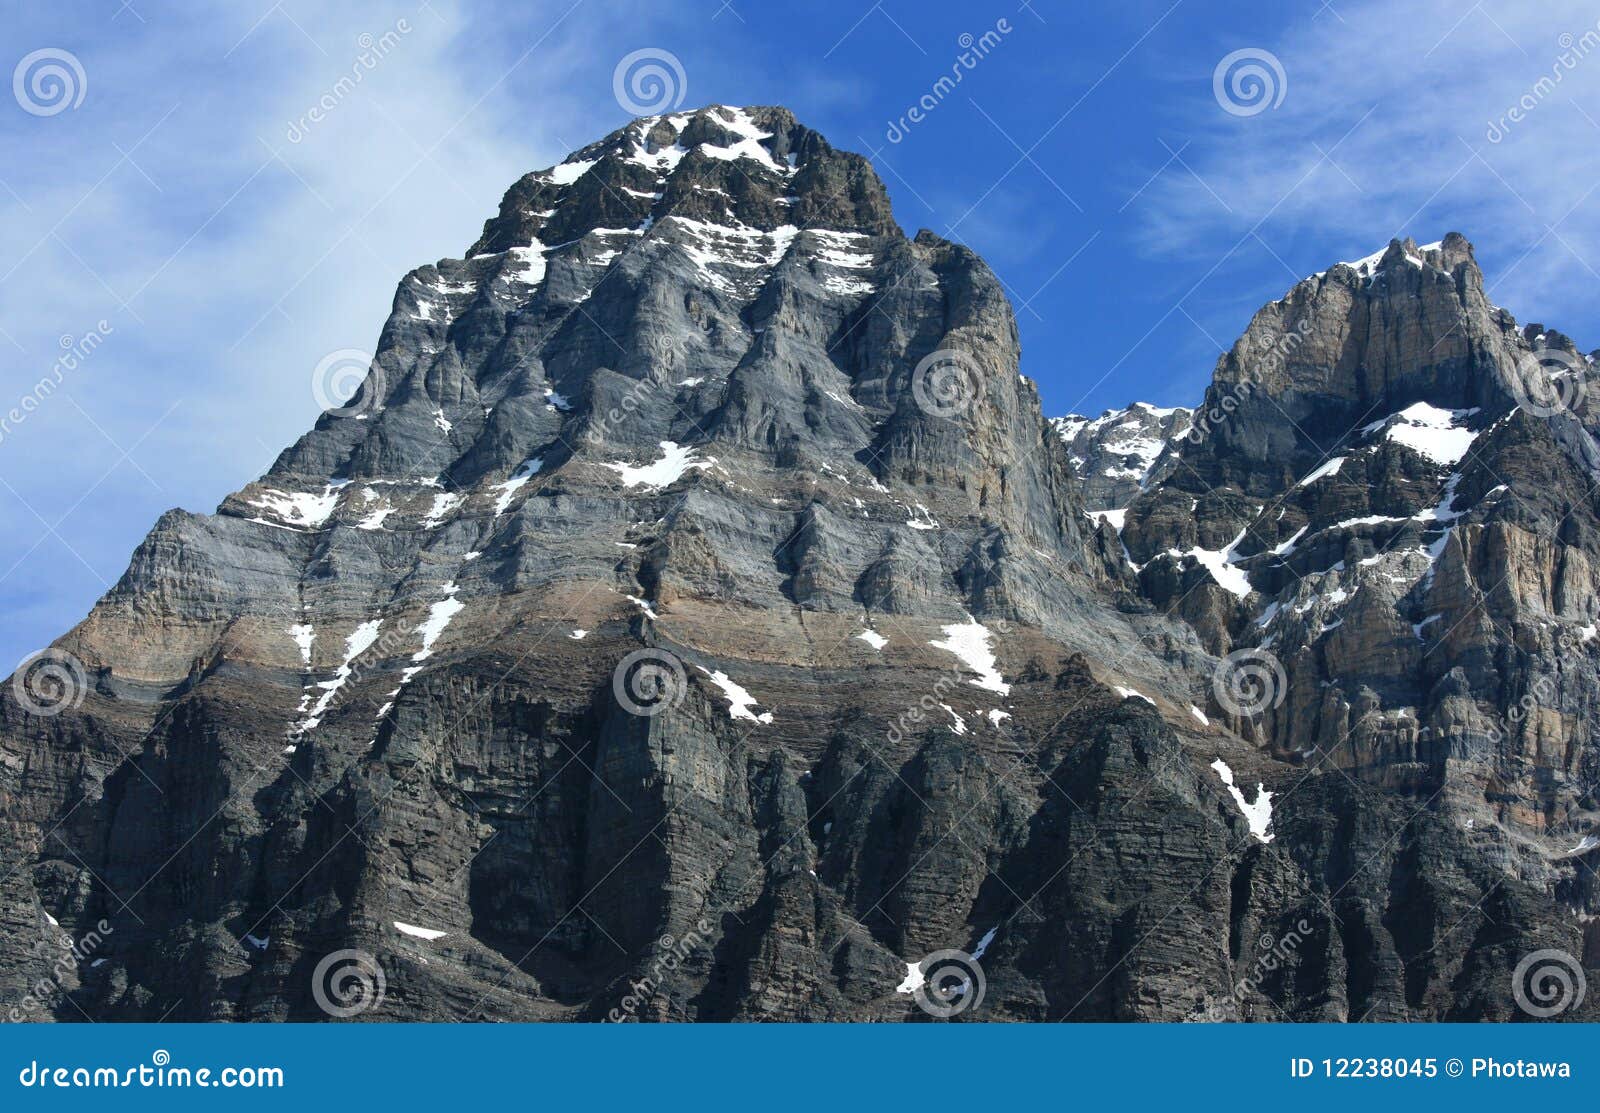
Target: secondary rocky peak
{"points": [[1380, 458], [1445, 255], [1117, 454], [1357, 341]]}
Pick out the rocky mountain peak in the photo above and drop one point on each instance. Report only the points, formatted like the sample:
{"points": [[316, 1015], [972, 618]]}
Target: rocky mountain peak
{"points": [[747, 168], [1355, 342], [1445, 255], [1353, 502], [706, 330]]}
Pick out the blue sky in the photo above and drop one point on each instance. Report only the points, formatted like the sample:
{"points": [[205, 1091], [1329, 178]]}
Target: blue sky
{"points": [[1136, 220]]}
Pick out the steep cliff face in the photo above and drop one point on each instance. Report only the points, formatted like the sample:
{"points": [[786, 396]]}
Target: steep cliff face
{"points": [[1390, 489], [693, 617]]}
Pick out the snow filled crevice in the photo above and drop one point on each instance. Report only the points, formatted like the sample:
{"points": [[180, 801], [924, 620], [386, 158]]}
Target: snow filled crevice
{"points": [[1220, 563], [1327, 468], [303, 635], [357, 643], [439, 616], [443, 506], [519, 478], [1258, 814], [957, 723]]}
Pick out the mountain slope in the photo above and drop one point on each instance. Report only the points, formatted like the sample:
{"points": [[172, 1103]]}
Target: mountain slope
{"points": [[694, 617]]}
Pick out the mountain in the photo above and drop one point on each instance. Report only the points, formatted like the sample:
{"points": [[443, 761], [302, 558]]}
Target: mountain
{"points": [[692, 616]]}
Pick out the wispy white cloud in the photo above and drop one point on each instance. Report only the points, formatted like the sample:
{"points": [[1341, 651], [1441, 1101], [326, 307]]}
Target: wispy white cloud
{"points": [[230, 242], [1396, 122]]}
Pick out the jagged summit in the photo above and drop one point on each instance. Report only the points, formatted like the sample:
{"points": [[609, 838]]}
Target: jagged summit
{"points": [[1444, 255], [753, 168], [684, 368], [745, 207], [1117, 454]]}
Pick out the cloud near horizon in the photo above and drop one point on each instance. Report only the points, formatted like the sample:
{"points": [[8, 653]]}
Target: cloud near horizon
{"points": [[1421, 119], [229, 241]]}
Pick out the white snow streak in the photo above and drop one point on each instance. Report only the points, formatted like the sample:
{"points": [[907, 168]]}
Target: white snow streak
{"points": [[359, 641], [970, 642], [675, 460], [739, 701], [429, 934], [443, 506], [528, 469], [303, 635], [439, 616], [1259, 814]]}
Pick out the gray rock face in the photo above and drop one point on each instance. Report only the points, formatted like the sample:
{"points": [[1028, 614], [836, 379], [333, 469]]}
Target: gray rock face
{"points": [[693, 400]]}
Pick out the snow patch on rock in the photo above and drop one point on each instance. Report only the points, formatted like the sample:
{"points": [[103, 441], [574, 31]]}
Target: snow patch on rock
{"points": [[739, 700], [1258, 814], [428, 934], [970, 642], [675, 460]]}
